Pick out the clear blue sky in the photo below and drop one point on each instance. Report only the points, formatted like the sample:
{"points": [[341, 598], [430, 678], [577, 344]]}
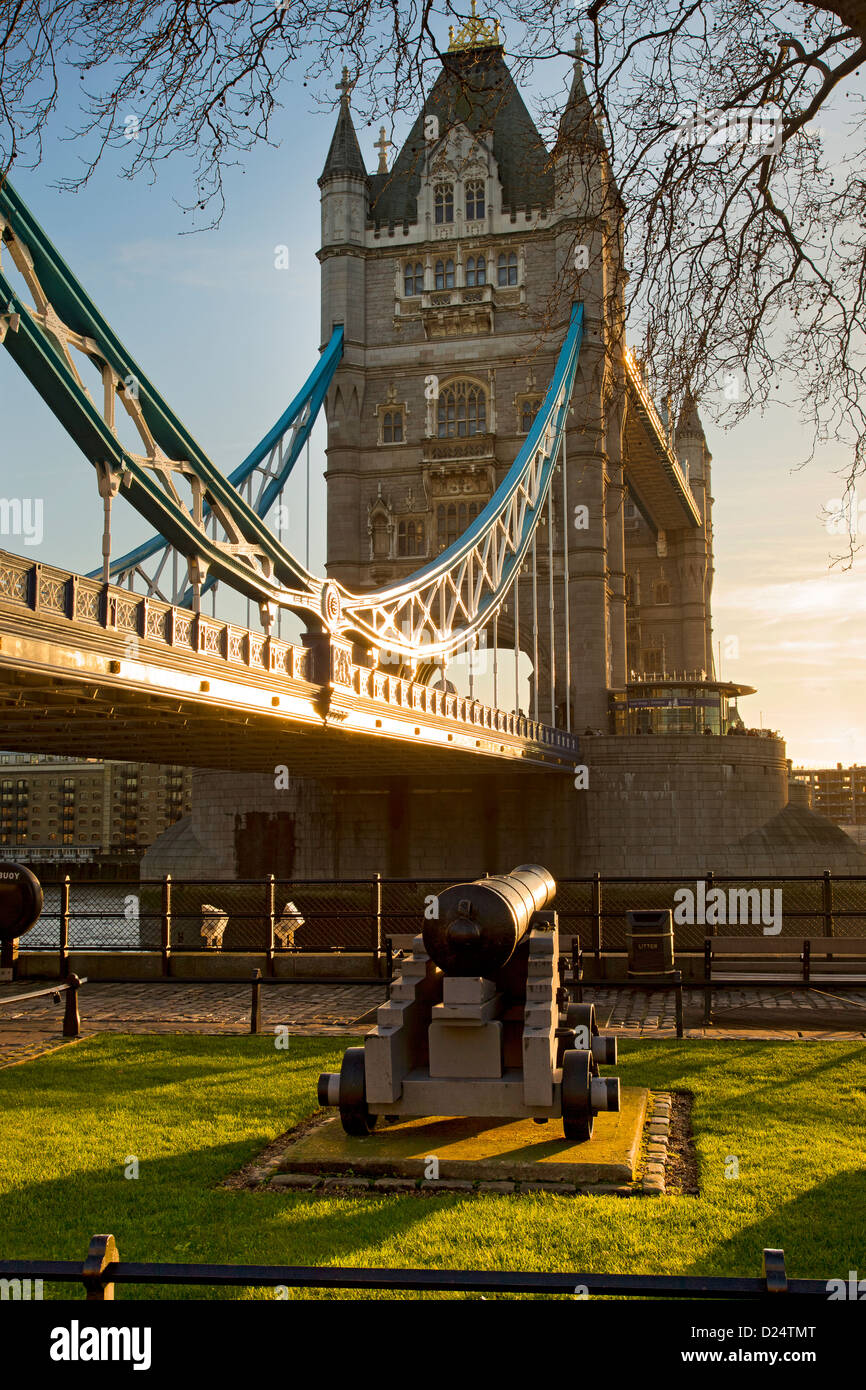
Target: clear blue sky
{"points": [[228, 338]]}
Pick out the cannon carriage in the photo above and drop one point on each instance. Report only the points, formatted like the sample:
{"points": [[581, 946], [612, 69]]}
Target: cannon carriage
{"points": [[479, 1023]]}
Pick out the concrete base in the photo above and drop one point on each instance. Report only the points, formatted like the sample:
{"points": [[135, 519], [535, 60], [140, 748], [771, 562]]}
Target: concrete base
{"points": [[470, 1150]]}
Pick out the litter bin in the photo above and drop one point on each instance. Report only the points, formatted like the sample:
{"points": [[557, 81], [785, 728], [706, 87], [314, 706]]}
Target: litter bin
{"points": [[650, 942]]}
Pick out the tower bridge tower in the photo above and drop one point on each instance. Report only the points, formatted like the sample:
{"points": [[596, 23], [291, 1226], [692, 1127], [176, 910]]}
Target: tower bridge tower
{"points": [[453, 274]]}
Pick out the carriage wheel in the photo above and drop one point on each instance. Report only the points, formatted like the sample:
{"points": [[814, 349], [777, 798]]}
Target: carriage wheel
{"points": [[576, 1094], [354, 1114]]}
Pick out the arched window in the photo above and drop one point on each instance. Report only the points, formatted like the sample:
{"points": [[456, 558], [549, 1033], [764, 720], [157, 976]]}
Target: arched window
{"points": [[444, 275], [461, 518], [663, 591], [506, 268], [413, 278], [392, 427], [528, 411], [441, 533], [475, 200], [410, 538], [476, 271], [462, 410], [451, 534], [473, 511], [629, 588], [443, 203]]}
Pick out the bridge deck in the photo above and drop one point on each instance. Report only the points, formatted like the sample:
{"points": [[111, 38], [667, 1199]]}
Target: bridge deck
{"points": [[93, 670]]}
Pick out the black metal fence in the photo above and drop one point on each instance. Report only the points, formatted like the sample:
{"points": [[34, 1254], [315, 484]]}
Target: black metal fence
{"points": [[275, 915], [103, 1268]]}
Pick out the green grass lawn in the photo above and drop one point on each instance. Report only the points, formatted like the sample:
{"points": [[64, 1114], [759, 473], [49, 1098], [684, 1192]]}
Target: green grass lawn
{"points": [[194, 1109]]}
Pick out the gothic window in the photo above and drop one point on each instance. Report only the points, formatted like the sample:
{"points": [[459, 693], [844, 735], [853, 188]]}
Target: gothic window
{"points": [[476, 271], [473, 511], [443, 203], [451, 535], [380, 538], [410, 538], [662, 592], [475, 200], [629, 588], [413, 278], [506, 268], [529, 408], [462, 410], [392, 427], [653, 662], [444, 275]]}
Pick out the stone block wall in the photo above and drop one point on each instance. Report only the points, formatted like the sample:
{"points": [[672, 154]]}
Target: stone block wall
{"points": [[678, 805]]}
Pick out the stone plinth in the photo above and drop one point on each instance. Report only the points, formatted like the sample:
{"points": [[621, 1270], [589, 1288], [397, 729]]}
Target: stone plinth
{"points": [[471, 1150]]}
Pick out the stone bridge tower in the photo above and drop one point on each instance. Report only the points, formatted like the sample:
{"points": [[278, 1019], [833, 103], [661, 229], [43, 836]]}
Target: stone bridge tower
{"points": [[453, 273]]}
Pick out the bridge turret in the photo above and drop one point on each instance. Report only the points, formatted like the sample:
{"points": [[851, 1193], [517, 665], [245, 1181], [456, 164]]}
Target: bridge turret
{"points": [[344, 198], [696, 559]]}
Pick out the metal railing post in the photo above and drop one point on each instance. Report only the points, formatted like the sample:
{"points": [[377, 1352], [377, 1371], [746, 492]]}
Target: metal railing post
{"points": [[101, 1253], [678, 1001], [256, 1008], [597, 921], [166, 925], [272, 920], [711, 926], [64, 928], [71, 1016], [377, 923], [827, 902]]}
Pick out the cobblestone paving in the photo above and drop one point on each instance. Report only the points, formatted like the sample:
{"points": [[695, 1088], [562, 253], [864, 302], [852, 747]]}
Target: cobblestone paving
{"points": [[35, 1025], [645, 1014]]}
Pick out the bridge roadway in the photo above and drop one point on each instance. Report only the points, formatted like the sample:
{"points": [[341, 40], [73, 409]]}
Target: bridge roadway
{"points": [[96, 671]]}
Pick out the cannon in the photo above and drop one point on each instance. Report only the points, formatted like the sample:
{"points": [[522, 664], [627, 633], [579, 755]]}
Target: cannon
{"points": [[479, 1023]]}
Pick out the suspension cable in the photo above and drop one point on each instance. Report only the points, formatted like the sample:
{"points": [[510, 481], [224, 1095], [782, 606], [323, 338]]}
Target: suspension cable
{"points": [[534, 628], [565, 583], [551, 605]]}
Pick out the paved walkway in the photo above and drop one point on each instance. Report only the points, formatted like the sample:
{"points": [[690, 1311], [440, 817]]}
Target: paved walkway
{"points": [[35, 1025], [752, 1013]]}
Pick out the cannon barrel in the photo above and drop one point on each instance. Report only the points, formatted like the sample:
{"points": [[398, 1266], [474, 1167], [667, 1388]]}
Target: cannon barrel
{"points": [[480, 925]]}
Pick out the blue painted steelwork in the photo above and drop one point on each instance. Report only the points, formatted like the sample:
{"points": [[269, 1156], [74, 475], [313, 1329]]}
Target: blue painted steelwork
{"points": [[430, 615], [309, 399], [493, 546], [40, 343]]}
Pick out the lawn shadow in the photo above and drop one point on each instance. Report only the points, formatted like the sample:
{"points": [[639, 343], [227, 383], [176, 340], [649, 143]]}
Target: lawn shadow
{"points": [[826, 1225]]}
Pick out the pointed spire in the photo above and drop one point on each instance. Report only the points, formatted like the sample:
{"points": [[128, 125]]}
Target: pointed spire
{"points": [[579, 123], [690, 420], [344, 156]]}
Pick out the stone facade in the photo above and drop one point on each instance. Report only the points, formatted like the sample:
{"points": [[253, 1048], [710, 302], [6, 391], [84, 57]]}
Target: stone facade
{"points": [[453, 276], [677, 805], [444, 365]]}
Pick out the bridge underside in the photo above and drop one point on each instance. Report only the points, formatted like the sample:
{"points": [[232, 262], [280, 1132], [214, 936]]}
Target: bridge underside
{"points": [[94, 671]]}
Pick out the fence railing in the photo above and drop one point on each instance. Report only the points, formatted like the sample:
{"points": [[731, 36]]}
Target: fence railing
{"points": [[103, 1269], [69, 987], [280, 916]]}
